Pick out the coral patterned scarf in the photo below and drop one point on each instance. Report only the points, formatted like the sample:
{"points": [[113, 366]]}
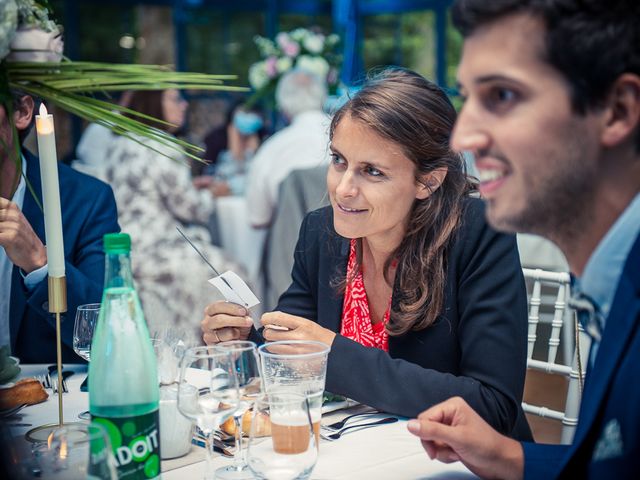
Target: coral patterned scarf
{"points": [[356, 319]]}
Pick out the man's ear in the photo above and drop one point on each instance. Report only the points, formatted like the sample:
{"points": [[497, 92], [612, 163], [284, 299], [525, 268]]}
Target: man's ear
{"points": [[623, 111], [23, 113], [430, 182]]}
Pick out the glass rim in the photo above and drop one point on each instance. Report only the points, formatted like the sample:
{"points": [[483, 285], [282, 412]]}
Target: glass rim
{"points": [[92, 431], [89, 306], [206, 351], [323, 349], [235, 345]]}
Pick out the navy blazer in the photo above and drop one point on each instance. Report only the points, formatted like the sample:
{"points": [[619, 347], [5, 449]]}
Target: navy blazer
{"points": [[607, 439], [88, 212], [476, 349]]}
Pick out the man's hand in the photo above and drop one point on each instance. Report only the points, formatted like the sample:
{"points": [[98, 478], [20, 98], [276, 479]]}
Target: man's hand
{"points": [[282, 326], [452, 431], [21, 243]]}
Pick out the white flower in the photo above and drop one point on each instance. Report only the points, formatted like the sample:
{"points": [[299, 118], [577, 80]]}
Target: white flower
{"points": [[299, 34], [314, 43], [284, 64], [8, 25], [35, 45], [265, 46], [317, 65], [332, 40], [258, 77], [32, 14]]}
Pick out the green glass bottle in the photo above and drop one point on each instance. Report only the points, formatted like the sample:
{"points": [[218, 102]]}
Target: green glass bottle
{"points": [[123, 381]]}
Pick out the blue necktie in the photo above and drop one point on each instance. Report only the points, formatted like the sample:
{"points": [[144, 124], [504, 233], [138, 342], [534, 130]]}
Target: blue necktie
{"points": [[589, 315]]}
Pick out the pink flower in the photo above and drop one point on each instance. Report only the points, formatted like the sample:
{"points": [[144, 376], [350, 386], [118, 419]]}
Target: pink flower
{"points": [[271, 66], [291, 49]]}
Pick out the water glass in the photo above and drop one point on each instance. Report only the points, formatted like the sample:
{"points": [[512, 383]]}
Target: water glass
{"points": [[211, 372], [83, 328], [85, 324], [246, 365], [75, 452], [297, 366], [290, 452]]}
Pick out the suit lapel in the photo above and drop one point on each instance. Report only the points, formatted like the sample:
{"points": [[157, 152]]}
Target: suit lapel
{"points": [[620, 324], [34, 215]]}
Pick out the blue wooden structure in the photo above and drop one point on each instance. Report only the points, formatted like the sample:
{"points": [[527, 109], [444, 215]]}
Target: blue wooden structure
{"points": [[348, 17]]}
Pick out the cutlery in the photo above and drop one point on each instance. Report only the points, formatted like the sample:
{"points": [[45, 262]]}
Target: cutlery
{"points": [[66, 374], [339, 433], [343, 422], [218, 444], [12, 411], [43, 381]]}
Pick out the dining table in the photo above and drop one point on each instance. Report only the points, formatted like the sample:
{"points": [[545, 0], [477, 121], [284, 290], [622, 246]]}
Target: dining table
{"points": [[386, 451]]}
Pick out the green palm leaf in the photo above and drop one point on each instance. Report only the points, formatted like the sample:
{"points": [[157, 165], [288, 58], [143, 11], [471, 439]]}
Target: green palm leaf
{"points": [[72, 86]]}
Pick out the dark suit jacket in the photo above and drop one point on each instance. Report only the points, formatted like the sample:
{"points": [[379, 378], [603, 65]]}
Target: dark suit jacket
{"points": [[607, 439], [88, 212], [476, 349]]}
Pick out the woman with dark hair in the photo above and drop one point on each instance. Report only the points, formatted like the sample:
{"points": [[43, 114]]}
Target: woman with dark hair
{"points": [[418, 297], [154, 194]]}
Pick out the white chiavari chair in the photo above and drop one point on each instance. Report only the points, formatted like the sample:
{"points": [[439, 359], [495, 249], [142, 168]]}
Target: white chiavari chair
{"points": [[547, 294]]}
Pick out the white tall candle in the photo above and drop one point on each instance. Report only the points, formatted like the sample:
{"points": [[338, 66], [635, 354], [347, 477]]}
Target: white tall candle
{"points": [[50, 192]]}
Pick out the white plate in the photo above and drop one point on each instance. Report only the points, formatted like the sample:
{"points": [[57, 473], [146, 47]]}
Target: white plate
{"points": [[337, 405]]}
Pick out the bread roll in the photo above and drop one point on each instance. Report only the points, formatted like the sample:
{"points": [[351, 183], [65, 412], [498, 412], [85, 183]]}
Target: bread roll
{"points": [[263, 425], [27, 390]]}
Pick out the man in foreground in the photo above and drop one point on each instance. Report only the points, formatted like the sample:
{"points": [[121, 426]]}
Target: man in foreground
{"points": [[552, 116], [88, 212]]}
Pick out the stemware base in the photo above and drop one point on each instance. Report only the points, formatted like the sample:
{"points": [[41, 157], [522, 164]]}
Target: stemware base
{"points": [[42, 433], [232, 472], [86, 415]]}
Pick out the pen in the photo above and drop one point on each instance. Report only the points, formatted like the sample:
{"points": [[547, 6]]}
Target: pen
{"points": [[208, 263]]}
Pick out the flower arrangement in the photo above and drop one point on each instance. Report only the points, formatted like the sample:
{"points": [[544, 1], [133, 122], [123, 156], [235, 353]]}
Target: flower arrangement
{"points": [[300, 48], [31, 62]]}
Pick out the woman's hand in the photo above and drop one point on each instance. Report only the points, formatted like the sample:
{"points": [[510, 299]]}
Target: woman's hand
{"points": [[297, 328], [224, 321]]}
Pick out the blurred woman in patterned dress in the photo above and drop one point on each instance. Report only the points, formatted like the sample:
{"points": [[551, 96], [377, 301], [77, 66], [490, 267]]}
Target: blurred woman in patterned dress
{"points": [[154, 195]]}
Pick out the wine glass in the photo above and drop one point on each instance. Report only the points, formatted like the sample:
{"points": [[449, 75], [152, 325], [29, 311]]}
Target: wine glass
{"points": [[291, 451], [246, 364], [86, 321], [77, 451], [208, 392]]}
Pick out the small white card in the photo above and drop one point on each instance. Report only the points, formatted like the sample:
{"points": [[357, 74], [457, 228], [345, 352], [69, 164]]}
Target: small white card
{"points": [[235, 290]]}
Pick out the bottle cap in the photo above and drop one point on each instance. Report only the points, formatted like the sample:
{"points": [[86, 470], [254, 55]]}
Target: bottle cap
{"points": [[117, 243]]}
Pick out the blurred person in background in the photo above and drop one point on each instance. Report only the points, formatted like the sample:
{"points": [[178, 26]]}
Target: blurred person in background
{"points": [[227, 173], [154, 194], [94, 143], [300, 96]]}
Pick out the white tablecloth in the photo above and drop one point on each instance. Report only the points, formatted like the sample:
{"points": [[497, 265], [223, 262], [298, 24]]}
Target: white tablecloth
{"points": [[238, 239], [383, 452]]}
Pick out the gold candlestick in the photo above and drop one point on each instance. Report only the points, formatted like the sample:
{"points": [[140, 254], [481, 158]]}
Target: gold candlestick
{"points": [[58, 306]]}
